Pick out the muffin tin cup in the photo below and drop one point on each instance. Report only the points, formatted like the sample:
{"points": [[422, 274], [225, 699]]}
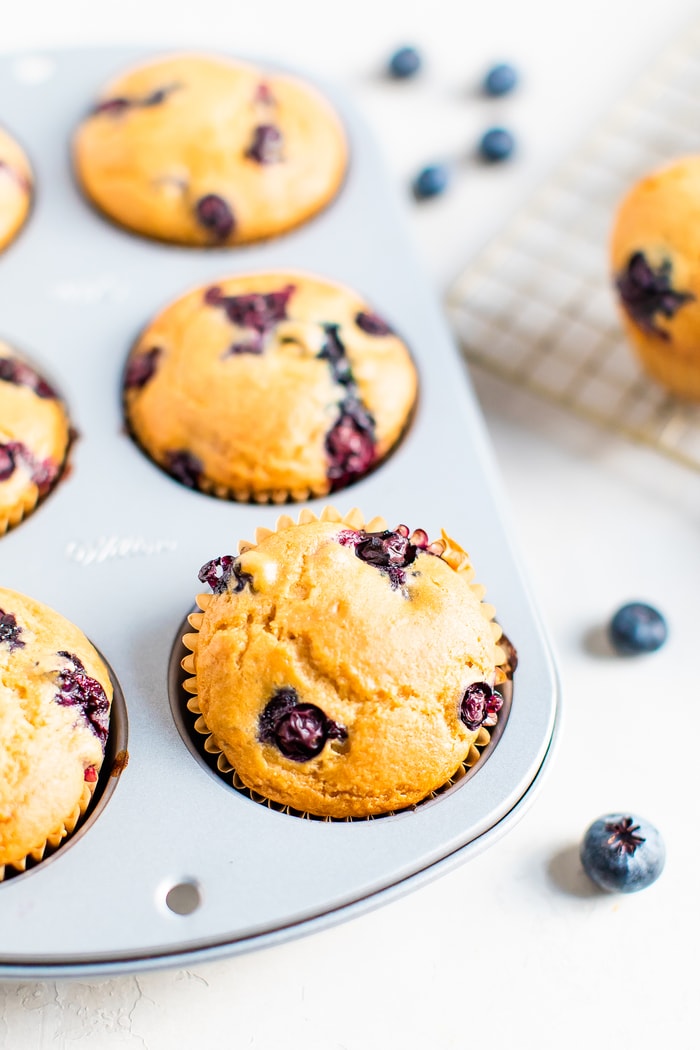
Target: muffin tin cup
{"points": [[187, 868]]}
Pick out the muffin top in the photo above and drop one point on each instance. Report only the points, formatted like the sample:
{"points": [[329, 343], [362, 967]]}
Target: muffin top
{"points": [[55, 696], [34, 437], [15, 188], [269, 386], [202, 150], [343, 671], [655, 256]]}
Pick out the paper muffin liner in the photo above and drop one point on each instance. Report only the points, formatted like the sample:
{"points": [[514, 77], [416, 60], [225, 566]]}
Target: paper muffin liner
{"points": [[56, 837], [12, 516], [455, 557]]}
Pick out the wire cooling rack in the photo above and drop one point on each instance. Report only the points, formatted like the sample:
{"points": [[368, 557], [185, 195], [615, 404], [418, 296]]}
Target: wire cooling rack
{"points": [[537, 306]]}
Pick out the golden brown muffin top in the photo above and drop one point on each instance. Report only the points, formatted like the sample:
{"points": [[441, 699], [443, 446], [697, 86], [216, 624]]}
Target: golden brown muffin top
{"points": [[336, 666], [203, 150]]}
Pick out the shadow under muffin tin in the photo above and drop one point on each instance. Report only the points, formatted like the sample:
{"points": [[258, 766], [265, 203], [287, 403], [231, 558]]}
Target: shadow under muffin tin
{"points": [[117, 546]]}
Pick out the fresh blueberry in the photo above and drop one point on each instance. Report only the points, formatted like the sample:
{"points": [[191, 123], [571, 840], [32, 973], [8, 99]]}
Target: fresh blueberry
{"points": [[404, 63], [500, 79], [637, 628], [496, 144], [622, 853], [431, 181]]}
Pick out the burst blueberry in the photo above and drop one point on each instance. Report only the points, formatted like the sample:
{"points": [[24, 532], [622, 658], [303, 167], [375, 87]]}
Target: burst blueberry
{"points": [[500, 79], [646, 293], [219, 572], [622, 853], [431, 181], [637, 628], [479, 706], [10, 631], [78, 689], [267, 144], [184, 467], [404, 63], [496, 144]]}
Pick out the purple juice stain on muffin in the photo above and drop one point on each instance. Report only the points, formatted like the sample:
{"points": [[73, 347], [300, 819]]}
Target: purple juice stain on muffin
{"points": [[121, 103], [141, 368], [372, 324], [334, 352], [298, 730], [10, 631], [350, 444], [267, 144], [21, 374], [184, 467], [646, 292], [216, 216], [43, 471], [220, 572], [263, 95], [22, 180], [77, 689], [479, 706], [261, 312]]}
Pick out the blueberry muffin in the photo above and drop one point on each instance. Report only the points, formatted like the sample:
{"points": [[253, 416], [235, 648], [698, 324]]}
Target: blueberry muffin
{"points": [[268, 387], [656, 265], [343, 670], [35, 435], [55, 697], [15, 188], [201, 150]]}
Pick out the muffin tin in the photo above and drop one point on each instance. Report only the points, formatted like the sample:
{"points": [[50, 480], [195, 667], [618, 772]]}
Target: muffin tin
{"points": [[173, 865]]}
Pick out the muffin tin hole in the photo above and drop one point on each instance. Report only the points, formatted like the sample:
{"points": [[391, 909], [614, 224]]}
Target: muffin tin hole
{"points": [[184, 897], [215, 763], [116, 759]]}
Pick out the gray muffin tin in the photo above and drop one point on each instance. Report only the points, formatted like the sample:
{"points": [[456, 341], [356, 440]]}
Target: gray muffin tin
{"points": [[117, 546]]}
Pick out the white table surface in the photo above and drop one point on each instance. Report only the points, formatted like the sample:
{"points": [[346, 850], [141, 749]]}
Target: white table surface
{"points": [[514, 948]]}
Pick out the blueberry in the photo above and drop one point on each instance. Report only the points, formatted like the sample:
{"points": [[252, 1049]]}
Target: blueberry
{"points": [[215, 215], [496, 144], [500, 79], [431, 181], [297, 729], [648, 294], [637, 628], [404, 63], [622, 853], [77, 689], [479, 706]]}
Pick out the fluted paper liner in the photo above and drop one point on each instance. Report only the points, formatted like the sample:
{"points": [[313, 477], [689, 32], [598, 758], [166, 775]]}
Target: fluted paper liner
{"points": [[56, 837], [445, 547]]}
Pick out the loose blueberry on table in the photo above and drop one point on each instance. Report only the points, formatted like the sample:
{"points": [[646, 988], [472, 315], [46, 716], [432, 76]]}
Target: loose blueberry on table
{"points": [[637, 628], [500, 79], [496, 144], [646, 292], [622, 853], [431, 181], [404, 63]]}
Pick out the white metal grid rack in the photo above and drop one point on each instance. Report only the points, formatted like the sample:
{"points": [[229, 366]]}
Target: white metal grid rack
{"points": [[537, 306]]}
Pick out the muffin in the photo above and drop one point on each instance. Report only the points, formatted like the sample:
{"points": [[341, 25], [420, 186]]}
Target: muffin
{"points": [[268, 387], [55, 697], [15, 188], [343, 670], [35, 436], [655, 254], [201, 150]]}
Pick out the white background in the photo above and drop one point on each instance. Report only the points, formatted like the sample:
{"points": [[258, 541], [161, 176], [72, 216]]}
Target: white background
{"points": [[514, 949]]}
